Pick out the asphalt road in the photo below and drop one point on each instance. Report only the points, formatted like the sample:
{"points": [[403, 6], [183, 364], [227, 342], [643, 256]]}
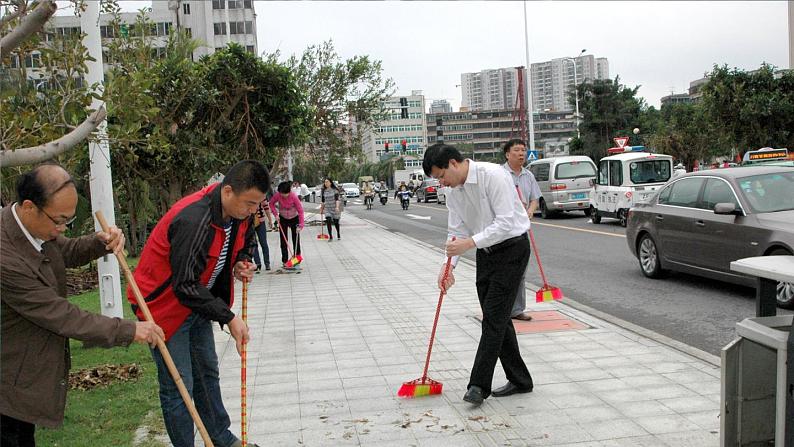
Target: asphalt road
{"points": [[592, 264]]}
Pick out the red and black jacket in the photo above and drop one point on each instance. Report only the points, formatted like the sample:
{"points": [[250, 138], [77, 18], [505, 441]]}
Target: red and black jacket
{"points": [[179, 257]]}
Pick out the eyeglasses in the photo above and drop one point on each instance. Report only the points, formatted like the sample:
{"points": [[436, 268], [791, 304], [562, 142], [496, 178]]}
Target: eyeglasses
{"points": [[67, 223]]}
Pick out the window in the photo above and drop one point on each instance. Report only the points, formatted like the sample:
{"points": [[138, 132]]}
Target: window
{"points": [[186, 8], [615, 173], [247, 4], [162, 29], [574, 169], [685, 192], [650, 171], [219, 28], [541, 172], [107, 31], [769, 193], [33, 61], [249, 27], [603, 172], [664, 196], [14, 61], [250, 49], [218, 4], [235, 4], [189, 32], [246, 27], [717, 191]]}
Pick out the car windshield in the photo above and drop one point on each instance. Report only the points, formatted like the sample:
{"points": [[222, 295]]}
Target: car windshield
{"points": [[575, 169], [349, 185], [650, 171], [768, 193]]}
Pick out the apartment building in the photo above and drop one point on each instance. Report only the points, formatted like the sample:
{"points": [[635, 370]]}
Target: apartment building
{"points": [[553, 81], [404, 123]]}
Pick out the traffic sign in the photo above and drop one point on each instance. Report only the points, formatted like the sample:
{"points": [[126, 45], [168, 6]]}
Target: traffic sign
{"points": [[621, 141], [532, 155]]}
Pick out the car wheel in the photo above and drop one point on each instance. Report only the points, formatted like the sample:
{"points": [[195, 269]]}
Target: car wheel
{"points": [[544, 212], [785, 290], [594, 215], [648, 255], [624, 218]]}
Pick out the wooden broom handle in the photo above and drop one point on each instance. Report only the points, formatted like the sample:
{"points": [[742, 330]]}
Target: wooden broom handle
{"points": [[169, 362]]}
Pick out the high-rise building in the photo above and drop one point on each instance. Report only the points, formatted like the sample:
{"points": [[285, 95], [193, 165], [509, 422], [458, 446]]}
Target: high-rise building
{"points": [[553, 81], [791, 34], [404, 122], [440, 106], [213, 23], [493, 89]]}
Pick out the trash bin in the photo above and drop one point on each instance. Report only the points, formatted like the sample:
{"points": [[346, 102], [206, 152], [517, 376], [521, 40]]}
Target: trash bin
{"points": [[753, 395]]}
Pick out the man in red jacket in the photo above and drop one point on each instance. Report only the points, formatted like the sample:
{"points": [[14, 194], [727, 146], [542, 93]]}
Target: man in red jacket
{"points": [[186, 274]]}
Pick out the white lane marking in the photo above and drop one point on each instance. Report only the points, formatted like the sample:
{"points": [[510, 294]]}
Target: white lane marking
{"points": [[584, 230], [414, 216]]}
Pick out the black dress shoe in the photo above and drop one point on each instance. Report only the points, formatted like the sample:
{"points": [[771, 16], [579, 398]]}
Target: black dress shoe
{"points": [[509, 389], [474, 395], [523, 316]]}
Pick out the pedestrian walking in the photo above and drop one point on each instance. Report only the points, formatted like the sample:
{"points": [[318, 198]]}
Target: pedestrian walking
{"points": [[187, 272], [287, 206], [260, 228], [515, 152], [485, 213], [331, 206], [37, 318]]}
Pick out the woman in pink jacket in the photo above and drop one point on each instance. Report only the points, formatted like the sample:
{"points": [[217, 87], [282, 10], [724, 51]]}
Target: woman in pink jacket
{"points": [[287, 206]]}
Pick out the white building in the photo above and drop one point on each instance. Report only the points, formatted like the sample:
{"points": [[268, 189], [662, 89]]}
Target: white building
{"points": [[492, 89], [440, 106], [553, 81], [404, 122]]}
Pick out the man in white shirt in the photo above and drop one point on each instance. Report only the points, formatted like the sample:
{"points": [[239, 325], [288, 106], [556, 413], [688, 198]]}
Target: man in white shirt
{"points": [[485, 213], [515, 153]]}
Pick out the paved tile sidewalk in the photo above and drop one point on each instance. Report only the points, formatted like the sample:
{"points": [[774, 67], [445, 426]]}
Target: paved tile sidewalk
{"points": [[331, 346]]}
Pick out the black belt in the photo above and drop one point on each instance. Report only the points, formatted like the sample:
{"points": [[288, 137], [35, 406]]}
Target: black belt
{"points": [[504, 244]]}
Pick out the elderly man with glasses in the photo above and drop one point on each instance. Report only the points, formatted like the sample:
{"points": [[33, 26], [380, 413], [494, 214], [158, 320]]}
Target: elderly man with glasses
{"points": [[37, 319]]}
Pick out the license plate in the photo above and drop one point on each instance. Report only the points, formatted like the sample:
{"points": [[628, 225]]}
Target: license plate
{"points": [[579, 195]]}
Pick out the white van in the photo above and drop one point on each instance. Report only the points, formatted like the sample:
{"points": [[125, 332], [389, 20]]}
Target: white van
{"points": [[629, 176], [565, 183]]}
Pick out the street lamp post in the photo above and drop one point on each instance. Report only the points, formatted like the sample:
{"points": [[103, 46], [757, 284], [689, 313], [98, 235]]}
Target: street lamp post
{"points": [[575, 89]]}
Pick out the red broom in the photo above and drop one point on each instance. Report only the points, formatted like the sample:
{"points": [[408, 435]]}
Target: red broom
{"points": [[292, 260], [425, 386], [547, 292], [244, 373], [322, 234]]}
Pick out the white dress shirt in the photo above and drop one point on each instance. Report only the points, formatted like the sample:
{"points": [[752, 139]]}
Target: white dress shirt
{"points": [[34, 241], [486, 207]]}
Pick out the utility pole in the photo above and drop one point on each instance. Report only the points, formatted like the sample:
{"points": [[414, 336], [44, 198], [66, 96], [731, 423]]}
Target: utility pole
{"points": [[530, 114], [101, 181]]}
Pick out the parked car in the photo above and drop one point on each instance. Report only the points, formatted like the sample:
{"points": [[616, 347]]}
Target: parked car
{"points": [[565, 183], [430, 190], [701, 221], [351, 190]]}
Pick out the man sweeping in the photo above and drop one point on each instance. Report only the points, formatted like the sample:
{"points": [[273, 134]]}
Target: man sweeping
{"points": [[485, 213], [186, 272]]}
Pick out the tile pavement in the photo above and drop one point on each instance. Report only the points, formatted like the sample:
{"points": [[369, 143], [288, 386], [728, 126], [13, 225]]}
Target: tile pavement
{"points": [[331, 346]]}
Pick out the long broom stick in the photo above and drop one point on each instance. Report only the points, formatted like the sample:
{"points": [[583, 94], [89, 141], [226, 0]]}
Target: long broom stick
{"points": [[169, 362], [244, 373]]}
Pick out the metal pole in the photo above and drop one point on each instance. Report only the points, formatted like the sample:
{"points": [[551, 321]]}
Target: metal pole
{"points": [[530, 115], [576, 98], [289, 164], [101, 181]]}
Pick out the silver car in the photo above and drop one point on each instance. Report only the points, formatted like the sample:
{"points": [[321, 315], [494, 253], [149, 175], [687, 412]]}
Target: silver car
{"points": [[699, 222], [565, 183]]}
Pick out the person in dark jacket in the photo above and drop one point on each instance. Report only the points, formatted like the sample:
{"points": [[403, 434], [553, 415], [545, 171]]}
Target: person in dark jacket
{"points": [[37, 319], [186, 273]]}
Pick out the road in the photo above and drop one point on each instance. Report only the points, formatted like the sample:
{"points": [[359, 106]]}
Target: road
{"points": [[592, 265]]}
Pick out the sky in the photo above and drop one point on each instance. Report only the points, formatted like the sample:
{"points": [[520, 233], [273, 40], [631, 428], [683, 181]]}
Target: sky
{"points": [[660, 46]]}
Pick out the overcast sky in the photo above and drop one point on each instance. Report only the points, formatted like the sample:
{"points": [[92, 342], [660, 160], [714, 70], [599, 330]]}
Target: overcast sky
{"points": [[661, 45]]}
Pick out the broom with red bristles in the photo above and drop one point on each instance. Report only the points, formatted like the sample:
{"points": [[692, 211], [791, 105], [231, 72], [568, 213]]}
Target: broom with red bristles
{"points": [[425, 386], [292, 261], [547, 292]]}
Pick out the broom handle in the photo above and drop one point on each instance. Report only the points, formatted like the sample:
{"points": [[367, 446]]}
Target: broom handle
{"points": [[435, 320], [284, 236], [169, 362], [534, 247], [244, 373], [537, 257]]}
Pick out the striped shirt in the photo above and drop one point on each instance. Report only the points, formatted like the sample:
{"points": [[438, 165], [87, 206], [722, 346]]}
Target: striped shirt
{"points": [[227, 229]]}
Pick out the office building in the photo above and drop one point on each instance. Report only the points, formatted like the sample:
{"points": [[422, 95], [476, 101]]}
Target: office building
{"points": [[404, 122], [440, 106]]}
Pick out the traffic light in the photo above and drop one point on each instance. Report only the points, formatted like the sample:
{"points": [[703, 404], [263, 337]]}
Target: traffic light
{"points": [[403, 145], [386, 146]]}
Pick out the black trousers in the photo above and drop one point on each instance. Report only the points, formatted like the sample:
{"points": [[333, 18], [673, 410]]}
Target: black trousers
{"points": [[16, 433], [499, 275], [292, 225]]}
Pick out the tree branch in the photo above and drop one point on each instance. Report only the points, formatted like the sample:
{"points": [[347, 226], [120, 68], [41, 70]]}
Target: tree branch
{"points": [[30, 155], [30, 24]]}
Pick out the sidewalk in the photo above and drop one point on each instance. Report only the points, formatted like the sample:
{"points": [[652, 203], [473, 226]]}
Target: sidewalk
{"points": [[331, 346]]}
